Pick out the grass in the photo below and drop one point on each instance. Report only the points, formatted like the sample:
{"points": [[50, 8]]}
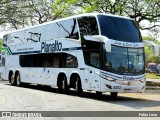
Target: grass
{"points": [[152, 76]]}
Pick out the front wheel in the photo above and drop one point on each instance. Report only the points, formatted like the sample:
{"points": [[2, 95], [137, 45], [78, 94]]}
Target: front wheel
{"points": [[98, 93], [114, 94]]}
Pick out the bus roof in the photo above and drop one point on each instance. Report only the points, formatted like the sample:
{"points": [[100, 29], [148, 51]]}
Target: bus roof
{"points": [[62, 19]]}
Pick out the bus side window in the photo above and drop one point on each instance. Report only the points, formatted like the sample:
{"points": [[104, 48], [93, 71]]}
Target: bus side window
{"points": [[71, 61], [69, 29], [94, 60], [88, 26], [3, 61], [62, 61], [56, 61], [50, 61]]}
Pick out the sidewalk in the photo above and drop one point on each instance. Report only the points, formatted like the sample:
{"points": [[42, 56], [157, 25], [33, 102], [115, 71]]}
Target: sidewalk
{"points": [[152, 84]]}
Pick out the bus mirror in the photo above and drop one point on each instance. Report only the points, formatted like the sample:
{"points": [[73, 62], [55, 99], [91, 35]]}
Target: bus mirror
{"points": [[156, 48], [99, 38], [90, 38]]}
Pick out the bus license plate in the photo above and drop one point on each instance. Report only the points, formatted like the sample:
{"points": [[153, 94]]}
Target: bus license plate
{"points": [[127, 90]]}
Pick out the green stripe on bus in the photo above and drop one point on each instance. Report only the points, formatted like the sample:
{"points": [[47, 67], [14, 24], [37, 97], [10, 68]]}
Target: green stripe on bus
{"points": [[6, 50]]}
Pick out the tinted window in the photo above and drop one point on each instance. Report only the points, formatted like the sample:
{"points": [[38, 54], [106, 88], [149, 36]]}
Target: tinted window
{"points": [[71, 61], [5, 39], [56, 60], [128, 61], [92, 53], [3, 61], [88, 26], [119, 29], [68, 29]]}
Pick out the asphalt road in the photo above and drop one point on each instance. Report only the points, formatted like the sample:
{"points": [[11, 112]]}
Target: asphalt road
{"points": [[34, 98]]}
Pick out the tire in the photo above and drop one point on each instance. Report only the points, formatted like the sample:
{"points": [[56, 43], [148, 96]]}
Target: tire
{"points": [[98, 93], [18, 80], [63, 87], [12, 79], [78, 87], [114, 95]]}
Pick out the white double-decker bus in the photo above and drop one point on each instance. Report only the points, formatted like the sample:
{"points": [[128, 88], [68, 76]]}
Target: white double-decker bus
{"points": [[95, 52]]}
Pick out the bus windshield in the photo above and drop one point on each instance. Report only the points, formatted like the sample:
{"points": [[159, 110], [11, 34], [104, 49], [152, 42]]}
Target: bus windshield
{"points": [[120, 29], [125, 61]]}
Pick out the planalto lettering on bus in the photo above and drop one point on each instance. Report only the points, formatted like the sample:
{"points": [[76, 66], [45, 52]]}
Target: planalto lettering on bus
{"points": [[51, 47]]}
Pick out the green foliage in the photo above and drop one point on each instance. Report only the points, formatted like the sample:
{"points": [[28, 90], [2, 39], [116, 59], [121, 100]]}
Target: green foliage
{"points": [[0, 44], [138, 10], [149, 51], [152, 76], [20, 13], [63, 8]]}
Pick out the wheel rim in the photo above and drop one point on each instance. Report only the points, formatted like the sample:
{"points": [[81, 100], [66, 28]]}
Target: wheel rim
{"points": [[63, 84], [12, 79], [18, 80], [76, 86]]}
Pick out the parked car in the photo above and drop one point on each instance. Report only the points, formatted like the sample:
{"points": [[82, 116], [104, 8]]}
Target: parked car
{"points": [[152, 68], [158, 68]]}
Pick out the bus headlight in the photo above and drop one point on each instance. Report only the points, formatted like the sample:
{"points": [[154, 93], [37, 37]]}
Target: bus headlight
{"points": [[110, 79], [143, 80]]}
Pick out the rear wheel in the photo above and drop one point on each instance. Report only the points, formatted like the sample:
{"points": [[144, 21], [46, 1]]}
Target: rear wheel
{"points": [[12, 80], [18, 80], [78, 87], [63, 87]]}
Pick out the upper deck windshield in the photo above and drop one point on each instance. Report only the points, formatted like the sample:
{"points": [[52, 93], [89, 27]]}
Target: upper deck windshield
{"points": [[125, 61], [120, 29]]}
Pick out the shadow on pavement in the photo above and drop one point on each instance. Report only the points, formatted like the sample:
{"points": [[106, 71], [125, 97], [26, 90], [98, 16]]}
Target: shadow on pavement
{"points": [[133, 102]]}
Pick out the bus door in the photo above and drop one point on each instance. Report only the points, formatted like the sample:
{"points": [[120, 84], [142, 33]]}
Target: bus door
{"points": [[93, 72], [4, 69], [92, 79]]}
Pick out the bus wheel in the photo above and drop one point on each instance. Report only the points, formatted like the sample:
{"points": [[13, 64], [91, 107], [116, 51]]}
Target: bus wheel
{"points": [[98, 93], [78, 87], [114, 94], [63, 87], [18, 80], [12, 80]]}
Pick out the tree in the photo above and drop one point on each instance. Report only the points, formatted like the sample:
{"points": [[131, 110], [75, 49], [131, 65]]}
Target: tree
{"points": [[138, 10], [20, 13], [0, 44], [149, 50]]}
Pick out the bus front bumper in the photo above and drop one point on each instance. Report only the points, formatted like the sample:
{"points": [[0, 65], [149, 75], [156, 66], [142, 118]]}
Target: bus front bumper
{"points": [[123, 86]]}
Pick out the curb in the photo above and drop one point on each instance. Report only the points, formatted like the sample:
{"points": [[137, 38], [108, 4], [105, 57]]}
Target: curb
{"points": [[151, 85], [152, 88]]}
